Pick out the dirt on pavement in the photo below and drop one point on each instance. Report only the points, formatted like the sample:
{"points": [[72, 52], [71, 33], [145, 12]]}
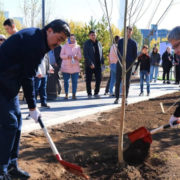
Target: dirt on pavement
{"points": [[92, 143]]}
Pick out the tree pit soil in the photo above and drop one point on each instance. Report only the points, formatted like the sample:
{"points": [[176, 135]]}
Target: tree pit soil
{"points": [[92, 142]]}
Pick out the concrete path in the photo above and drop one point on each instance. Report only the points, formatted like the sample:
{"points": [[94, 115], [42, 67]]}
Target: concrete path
{"points": [[65, 110]]}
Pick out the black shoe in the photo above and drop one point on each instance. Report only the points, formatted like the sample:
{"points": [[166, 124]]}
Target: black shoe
{"points": [[28, 117], [116, 101], [97, 96], [45, 106], [5, 177], [168, 82], [89, 96], [164, 82], [126, 102], [141, 94], [16, 172]]}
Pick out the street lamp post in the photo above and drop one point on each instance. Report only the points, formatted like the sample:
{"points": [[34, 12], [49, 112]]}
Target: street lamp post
{"points": [[43, 13]]}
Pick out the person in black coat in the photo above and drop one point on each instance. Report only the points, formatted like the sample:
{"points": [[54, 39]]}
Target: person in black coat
{"points": [[131, 56], [20, 56], [93, 54], [167, 59], [144, 61]]}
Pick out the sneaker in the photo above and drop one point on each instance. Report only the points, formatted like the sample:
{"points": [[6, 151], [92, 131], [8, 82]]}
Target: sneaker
{"points": [[116, 101], [97, 96], [126, 102], [111, 95], [168, 82], [66, 97], [45, 106], [141, 94], [18, 173], [89, 96], [74, 97], [5, 177], [148, 94], [28, 117], [164, 82]]}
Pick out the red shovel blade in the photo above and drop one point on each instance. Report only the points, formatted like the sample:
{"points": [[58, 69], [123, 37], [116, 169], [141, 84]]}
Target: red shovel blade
{"points": [[141, 133], [75, 169]]}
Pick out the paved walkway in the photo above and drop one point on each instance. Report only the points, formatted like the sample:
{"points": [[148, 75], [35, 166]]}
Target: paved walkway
{"points": [[65, 110]]}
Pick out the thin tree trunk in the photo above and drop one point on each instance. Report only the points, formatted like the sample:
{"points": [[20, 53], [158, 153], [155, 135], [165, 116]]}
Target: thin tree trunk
{"points": [[122, 115]]}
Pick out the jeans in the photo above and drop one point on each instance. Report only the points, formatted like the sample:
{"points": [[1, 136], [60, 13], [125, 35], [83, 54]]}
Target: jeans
{"points": [[152, 69], [74, 79], [89, 73], [10, 131], [113, 77], [40, 88], [146, 75]]}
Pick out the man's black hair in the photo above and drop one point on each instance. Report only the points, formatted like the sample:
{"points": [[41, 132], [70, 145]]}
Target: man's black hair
{"points": [[116, 39], [8, 22], [58, 26], [91, 31]]}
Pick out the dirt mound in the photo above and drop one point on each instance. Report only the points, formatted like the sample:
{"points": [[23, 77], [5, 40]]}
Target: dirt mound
{"points": [[93, 145]]}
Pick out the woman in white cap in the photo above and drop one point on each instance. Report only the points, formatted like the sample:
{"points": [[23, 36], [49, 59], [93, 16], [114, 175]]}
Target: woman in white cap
{"points": [[2, 38]]}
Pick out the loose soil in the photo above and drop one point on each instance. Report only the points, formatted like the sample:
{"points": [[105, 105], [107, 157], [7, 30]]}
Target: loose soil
{"points": [[92, 142]]}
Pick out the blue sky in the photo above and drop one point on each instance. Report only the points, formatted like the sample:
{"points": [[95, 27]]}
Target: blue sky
{"points": [[83, 10]]}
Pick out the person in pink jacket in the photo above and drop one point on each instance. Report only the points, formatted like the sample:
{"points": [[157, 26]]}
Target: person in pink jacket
{"points": [[113, 58], [70, 54]]}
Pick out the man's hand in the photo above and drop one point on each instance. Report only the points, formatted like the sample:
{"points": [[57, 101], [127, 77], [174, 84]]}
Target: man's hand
{"points": [[92, 66], [75, 57], [35, 114], [172, 119]]}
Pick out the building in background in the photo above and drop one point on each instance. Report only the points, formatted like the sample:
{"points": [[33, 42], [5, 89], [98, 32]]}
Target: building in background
{"points": [[154, 33], [6, 14], [20, 19]]}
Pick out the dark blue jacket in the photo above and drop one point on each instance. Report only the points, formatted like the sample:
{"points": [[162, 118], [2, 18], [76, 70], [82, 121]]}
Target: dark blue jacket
{"points": [[89, 53], [20, 56], [131, 51]]}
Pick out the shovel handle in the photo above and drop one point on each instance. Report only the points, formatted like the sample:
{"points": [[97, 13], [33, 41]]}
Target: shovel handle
{"points": [[164, 127], [51, 143]]}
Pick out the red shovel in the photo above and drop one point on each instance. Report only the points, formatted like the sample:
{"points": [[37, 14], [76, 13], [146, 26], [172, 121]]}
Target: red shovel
{"points": [[143, 133], [75, 169], [141, 139]]}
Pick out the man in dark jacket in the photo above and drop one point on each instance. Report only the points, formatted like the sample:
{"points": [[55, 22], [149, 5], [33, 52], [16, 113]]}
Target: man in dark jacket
{"points": [[130, 59], [20, 56], [174, 39], [93, 55]]}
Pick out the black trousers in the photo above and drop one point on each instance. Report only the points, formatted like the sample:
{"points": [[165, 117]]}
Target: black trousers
{"points": [[166, 71], [119, 79], [89, 73]]}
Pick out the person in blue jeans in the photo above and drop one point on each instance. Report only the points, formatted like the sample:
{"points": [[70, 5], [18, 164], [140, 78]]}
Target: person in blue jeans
{"points": [[41, 81], [144, 61], [71, 55], [74, 78], [113, 58], [154, 61]]}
